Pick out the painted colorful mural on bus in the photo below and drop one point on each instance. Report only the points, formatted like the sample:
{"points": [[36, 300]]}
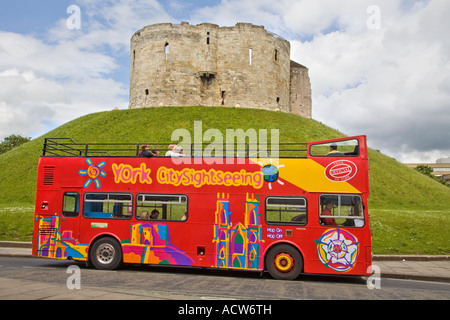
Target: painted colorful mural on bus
{"points": [[338, 249], [238, 245], [150, 243], [54, 244]]}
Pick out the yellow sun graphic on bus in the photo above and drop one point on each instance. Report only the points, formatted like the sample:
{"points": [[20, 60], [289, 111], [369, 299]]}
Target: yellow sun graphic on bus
{"points": [[93, 172]]}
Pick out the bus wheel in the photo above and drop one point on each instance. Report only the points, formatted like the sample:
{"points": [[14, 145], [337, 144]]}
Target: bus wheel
{"points": [[284, 262], [106, 254]]}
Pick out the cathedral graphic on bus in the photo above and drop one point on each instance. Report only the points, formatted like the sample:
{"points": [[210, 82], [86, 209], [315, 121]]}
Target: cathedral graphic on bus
{"points": [[238, 245]]}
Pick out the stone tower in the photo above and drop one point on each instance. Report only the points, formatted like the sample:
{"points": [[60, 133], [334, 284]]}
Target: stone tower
{"points": [[208, 65]]}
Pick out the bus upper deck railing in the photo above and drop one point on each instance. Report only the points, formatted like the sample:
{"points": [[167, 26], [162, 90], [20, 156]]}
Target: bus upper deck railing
{"points": [[66, 147]]}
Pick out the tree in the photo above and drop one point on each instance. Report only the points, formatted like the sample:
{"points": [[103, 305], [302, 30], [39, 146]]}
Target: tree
{"points": [[428, 171], [12, 142]]}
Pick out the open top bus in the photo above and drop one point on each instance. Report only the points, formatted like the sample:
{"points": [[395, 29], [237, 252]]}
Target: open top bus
{"points": [[303, 211]]}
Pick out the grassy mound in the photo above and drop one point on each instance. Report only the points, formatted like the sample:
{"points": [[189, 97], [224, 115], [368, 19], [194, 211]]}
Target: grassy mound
{"points": [[408, 210]]}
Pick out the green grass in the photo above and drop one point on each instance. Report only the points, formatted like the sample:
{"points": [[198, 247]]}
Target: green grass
{"points": [[410, 231], [16, 223], [401, 201]]}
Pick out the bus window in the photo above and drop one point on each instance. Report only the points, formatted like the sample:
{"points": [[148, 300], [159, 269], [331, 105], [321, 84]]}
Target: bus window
{"points": [[169, 206], [107, 205], [286, 210], [71, 204], [341, 210], [346, 148]]}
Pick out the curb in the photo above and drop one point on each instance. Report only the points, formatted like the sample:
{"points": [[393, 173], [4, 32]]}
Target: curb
{"points": [[414, 277], [410, 258], [15, 244]]}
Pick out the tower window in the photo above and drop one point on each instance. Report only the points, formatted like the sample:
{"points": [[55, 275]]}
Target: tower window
{"points": [[223, 97], [166, 49], [276, 55], [207, 38], [250, 51]]}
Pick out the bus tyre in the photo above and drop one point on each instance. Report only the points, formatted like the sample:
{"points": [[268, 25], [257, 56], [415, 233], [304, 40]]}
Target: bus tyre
{"points": [[284, 262], [106, 254]]}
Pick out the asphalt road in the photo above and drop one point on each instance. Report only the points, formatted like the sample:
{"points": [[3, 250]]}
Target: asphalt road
{"points": [[185, 283]]}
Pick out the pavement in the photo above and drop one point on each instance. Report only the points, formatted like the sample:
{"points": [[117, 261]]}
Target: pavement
{"points": [[410, 267]]}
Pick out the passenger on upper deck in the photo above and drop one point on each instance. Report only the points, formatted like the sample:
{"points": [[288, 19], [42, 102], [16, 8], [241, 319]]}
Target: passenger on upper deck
{"points": [[175, 151], [334, 152], [145, 151], [170, 150], [155, 152]]}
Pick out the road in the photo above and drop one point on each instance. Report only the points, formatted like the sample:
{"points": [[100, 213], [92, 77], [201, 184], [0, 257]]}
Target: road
{"points": [[151, 282]]}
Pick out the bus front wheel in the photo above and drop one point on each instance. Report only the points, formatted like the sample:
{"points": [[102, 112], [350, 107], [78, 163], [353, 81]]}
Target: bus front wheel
{"points": [[284, 262], [106, 254]]}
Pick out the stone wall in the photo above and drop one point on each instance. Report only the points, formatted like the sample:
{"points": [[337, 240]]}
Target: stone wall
{"points": [[244, 65]]}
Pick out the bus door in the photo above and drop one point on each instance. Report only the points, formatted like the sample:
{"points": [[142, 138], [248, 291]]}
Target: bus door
{"points": [[70, 214]]}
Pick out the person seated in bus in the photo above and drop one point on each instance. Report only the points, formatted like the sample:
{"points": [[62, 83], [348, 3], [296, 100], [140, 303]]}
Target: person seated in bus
{"points": [[175, 152], [145, 152], [170, 150], [300, 219], [180, 152], [334, 152], [155, 152], [355, 216], [154, 214], [144, 215], [354, 222], [327, 212]]}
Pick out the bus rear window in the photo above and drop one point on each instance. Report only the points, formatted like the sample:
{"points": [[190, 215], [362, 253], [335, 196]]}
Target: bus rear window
{"points": [[286, 210], [71, 204], [108, 205]]}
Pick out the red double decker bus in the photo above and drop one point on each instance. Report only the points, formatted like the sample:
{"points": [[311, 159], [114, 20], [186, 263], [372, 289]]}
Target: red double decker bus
{"points": [[304, 211]]}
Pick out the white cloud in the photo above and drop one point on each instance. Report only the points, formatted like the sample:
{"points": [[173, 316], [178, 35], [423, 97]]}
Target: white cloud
{"points": [[44, 85], [26, 99]]}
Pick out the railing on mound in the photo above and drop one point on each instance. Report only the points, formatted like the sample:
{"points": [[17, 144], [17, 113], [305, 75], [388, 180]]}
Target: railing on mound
{"points": [[66, 147]]}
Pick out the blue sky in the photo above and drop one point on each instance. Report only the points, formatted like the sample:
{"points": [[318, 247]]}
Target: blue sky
{"points": [[378, 67], [30, 17]]}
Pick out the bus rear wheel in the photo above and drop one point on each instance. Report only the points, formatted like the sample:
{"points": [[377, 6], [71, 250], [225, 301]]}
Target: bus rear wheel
{"points": [[284, 262], [106, 254]]}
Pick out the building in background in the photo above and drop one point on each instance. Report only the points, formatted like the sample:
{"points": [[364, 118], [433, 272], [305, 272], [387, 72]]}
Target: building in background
{"points": [[207, 65]]}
